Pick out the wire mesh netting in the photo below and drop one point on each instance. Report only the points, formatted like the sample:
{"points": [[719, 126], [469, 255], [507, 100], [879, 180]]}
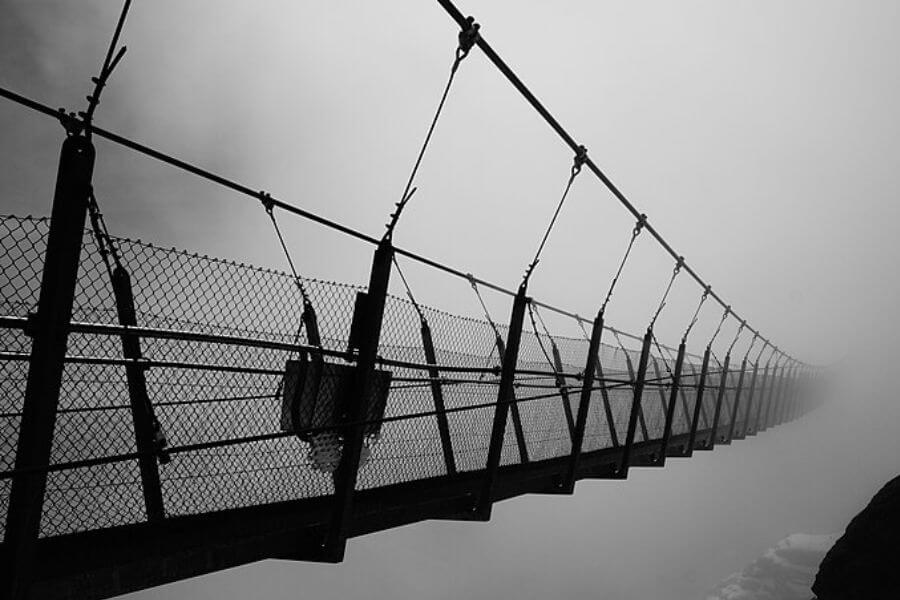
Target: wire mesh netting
{"points": [[221, 371]]}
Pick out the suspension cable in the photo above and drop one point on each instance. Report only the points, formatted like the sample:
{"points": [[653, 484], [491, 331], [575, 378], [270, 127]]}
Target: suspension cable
{"points": [[662, 303], [580, 159], [719, 328], [109, 64], [693, 322], [487, 314], [467, 38], [750, 347], [266, 200], [639, 226], [409, 293], [736, 336]]}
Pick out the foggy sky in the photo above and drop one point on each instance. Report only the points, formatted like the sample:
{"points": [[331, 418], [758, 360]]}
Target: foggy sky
{"points": [[761, 138]]}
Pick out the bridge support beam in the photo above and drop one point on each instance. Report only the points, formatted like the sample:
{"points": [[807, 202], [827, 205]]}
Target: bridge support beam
{"points": [[437, 395], [737, 401], [518, 428], [763, 396], [636, 405], [720, 396], [584, 404], [50, 334], [355, 407], [505, 398], [673, 399], [748, 412], [698, 406], [141, 410]]}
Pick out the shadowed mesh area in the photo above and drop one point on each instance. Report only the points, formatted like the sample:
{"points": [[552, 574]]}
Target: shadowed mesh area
{"points": [[208, 391]]}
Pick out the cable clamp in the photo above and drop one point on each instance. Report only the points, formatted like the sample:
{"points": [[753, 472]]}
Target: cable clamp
{"points": [[580, 159], [467, 38], [641, 223], [267, 202]]}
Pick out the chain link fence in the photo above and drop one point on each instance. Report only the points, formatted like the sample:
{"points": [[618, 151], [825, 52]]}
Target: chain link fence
{"points": [[221, 374]]}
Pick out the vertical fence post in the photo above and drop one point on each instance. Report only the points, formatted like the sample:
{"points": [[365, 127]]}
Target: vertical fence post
{"points": [[585, 401], [518, 429], [141, 409], [437, 395], [701, 388], [50, 330], [673, 398], [723, 382], [563, 389], [607, 407], [763, 395], [773, 390], [355, 404], [505, 398], [737, 400], [633, 376], [785, 392], [748, 427], [636, 404]]}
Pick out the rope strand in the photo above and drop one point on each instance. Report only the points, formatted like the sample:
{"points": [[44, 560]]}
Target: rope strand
{"points": [[634, 233], [580, 159]]}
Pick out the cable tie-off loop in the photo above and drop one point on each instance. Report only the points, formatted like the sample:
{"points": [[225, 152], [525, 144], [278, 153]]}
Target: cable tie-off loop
{"points": [[467, 39], [266, 200], [641, 223], [580, 159]]}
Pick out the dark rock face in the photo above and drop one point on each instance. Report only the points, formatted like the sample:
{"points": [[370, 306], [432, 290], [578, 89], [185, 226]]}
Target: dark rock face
{"points": [[864, 564]]}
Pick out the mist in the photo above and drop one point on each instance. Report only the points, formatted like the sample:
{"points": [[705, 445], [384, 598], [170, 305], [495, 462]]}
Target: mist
{"points": [[760, 138]]}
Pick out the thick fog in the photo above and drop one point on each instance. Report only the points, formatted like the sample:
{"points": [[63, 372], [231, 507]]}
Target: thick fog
{"points": [[761, 139]]}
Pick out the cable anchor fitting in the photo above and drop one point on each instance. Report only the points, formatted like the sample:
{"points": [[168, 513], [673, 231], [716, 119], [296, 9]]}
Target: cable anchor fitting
{"points": [[639, 226], [266, 199], [467, 38], [580, 159]]}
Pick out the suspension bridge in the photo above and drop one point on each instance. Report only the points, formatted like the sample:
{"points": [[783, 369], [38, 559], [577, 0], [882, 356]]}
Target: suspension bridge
{"points": [[166, 414]]}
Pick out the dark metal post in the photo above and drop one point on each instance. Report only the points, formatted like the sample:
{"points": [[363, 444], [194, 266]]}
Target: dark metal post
{"points": [[660, 386], [723, 382], [701, 387], [636, 403], [585, 401], [763, 395], [516, 415], [354, 406], [141, 409], [607, 407], [437, 395], [773, 389], [632, 376], [673, 398], [737, 400], [785, 400], [563, 390], [748, 427], [48, 350], [505, 398]]}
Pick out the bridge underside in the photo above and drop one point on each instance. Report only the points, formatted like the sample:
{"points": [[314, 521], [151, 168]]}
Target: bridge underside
{"points": [[108, 562]]}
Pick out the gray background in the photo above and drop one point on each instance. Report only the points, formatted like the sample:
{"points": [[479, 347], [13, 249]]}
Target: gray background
{"points": [[760, 138]]}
